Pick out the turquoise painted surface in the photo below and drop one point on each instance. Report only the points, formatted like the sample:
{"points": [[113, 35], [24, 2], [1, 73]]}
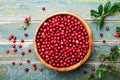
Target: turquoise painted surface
{"points": [[12, 13]]}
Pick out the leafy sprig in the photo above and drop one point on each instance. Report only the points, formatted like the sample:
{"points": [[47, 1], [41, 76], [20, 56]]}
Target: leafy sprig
{"points": [[104, 11], [108, 65]]}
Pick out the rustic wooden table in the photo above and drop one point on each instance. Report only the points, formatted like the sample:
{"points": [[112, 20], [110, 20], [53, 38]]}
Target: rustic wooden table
{"points": [[12, 13]]}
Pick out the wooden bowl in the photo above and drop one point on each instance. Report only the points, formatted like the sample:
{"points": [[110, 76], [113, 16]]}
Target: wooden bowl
{"points": [[64, 69]]}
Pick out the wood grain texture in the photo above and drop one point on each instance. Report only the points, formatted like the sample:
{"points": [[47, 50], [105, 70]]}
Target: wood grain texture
{"points": [[12, 13]]}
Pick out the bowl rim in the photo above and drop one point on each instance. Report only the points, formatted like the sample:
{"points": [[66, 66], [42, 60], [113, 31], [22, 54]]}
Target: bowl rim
{"points": [[64, 69]]}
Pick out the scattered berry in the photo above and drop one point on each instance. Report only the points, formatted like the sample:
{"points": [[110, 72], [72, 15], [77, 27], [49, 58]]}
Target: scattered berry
{"points": [[104, 41], [112, 49], [116, 34], [34, 68], [93, 68], [26, 20], [101, 34], [7, 51], [20, 46], [84, 71], [92, 75], [22, 40], [13, 46], [29, 50], [25, 34], [20, 63], [40, 69], [23, 53], [14, 41], [14, 50], [28, 61], [34, 65], [107, 28], [13, 63], [43, 8], [26, 69]]}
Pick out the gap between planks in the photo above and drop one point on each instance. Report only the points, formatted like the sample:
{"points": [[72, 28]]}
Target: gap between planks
{"points": [[3, 42], [36, 21]]}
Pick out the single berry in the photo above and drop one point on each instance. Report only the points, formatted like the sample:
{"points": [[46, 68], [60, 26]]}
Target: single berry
{"points": [[93, 68], [20, 63], [14, 50], [29, 17], [22, 40], [101, 34], [34, 65], [13, 63], [26, 20], [28, 61], [116, 34], [14, 41], [104, 41], [7, 51], [112, 49], [25, 34], [29, 50], [84, 71], [20, 46], [92, 75], [34, 68], [26, 69], [40, 69], [13, 46], [43, 8], [107, 28], [23, 53]]}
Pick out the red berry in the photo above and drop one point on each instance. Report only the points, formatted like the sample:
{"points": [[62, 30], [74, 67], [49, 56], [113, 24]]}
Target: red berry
{"points": [[29, 17], [34, 68], [28, 61], [92, 75], [43, 8], [101, 34], [107, 28], [29, 50], [7, 51], [13, 63], [34, 65], [84, 71], [26, 20], [40, 69], [20, 46], [93, 68], [14, 41], [116, 34], [23, 53], [112, 49], [22, 40], [25, 34], [13, 46], [104, 41], [26, 69], [20, 63], [14, 50]]}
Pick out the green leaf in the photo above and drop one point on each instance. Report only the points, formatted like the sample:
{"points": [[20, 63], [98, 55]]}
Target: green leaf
{"points": [[102, 22], [107, 6], [100, 9], [113, 9], [117, 4], [94, 14]]}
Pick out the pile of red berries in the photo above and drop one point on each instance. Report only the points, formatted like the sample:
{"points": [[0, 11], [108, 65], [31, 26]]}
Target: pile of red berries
{"points": [[62, 40]]}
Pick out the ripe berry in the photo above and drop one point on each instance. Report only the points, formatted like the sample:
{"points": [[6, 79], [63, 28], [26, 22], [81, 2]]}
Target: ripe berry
{"points": [[23, 53], [29, 50], [28, 61], [93, 68], [13, 46], [22, 40], [13, 63], [26, 69], [107, 28], [7, 51], [112, 49], [116, 34], [20, 46], [43, 8], [20, 63], [101, 34], [40, 69], [84, 71], [14, 50], [104, 41], [25, 34]]}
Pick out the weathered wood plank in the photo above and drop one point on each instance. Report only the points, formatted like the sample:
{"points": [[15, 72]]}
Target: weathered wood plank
{"points": [[17, 10], [16, 72], [16, 29], [98, 49]]}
